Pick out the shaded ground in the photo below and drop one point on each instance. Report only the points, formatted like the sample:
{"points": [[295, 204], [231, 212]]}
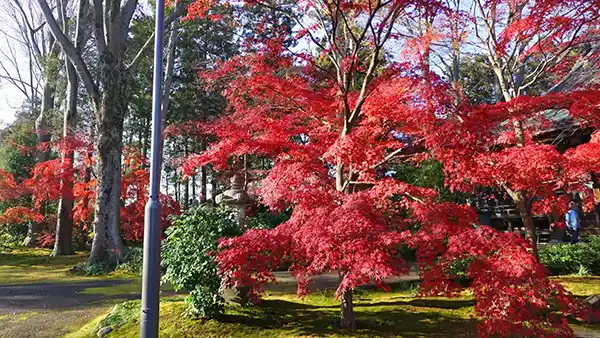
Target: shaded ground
{"points": [[55, 309], [48, 324], [36, 266], [16, 299]]}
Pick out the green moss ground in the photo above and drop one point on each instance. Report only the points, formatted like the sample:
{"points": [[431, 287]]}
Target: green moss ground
{"points": [[36, 266], [380, 314], [281, 314]]}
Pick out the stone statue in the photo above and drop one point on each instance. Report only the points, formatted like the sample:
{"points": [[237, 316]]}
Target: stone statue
{"points": [[236, 198]]}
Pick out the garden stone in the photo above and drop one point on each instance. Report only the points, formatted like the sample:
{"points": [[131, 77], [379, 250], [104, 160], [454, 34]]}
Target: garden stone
{"points": [[104, 331], [594, 302]]}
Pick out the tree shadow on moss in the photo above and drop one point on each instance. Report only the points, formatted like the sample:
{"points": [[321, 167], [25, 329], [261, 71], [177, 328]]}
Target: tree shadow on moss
{"points": [[428, 303], [382, 319]]}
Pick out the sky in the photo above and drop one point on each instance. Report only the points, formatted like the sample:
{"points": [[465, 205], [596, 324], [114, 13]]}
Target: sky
{"points": [[10, 97]]}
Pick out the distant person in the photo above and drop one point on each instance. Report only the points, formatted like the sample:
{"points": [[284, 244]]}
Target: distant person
{"points": [[573, 221]]}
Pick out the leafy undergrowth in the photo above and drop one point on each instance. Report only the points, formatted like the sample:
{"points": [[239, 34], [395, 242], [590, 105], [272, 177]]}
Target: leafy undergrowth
{"points": [[36, 266]]}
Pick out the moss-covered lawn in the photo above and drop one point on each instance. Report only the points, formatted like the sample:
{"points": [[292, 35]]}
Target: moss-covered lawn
{"points": [[380, 314], [36, 266]]}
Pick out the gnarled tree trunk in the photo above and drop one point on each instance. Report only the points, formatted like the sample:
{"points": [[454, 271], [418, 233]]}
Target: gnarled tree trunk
{"points": [[110, 112]]}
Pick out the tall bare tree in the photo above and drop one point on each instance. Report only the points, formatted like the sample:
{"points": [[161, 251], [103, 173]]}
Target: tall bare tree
{"points": [[107, 89], [64, 227]]}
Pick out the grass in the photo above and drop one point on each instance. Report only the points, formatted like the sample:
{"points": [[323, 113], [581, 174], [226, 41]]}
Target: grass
{"points": [[281, 314], [36, 266]]}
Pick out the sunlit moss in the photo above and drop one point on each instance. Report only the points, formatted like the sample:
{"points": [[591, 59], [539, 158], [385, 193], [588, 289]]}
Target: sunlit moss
{"points": [[36, 266], [378, 313], [581, 286]]}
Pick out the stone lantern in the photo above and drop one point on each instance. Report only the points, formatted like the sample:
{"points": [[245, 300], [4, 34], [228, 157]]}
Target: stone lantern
{"points": [[236, 198]]}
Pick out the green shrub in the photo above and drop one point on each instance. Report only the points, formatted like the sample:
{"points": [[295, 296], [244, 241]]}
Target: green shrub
{"points": [[130, 261], [12, 236], [188, 259], [566, 259], [133, 261]]}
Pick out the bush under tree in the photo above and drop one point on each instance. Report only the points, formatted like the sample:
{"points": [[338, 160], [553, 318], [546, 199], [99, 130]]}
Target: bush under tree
{"points": [[566, 259], [188, 260]]}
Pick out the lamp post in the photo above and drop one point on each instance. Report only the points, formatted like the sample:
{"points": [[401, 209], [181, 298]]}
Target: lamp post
{"points": [[151, 274]]}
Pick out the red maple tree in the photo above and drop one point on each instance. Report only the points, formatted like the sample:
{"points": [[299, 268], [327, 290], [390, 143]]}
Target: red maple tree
{"points": [[525, 44], [330, 121], [46, 185]]}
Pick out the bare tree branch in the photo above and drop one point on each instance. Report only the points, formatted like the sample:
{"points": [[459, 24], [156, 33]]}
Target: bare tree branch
{"points": [[70, 51]]}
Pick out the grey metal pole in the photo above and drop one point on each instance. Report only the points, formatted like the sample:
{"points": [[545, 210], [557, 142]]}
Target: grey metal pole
{"points": [[151, 275]]}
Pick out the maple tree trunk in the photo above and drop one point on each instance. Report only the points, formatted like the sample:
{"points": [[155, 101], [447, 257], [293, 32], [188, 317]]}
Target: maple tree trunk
{"points": [[528, 223], [348, 318]]}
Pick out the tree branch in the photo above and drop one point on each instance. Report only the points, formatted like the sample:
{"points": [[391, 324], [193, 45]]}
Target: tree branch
{"points": [[71, 52], [179, 10]]}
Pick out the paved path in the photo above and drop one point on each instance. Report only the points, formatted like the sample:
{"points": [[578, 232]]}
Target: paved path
{"points": [[54, 296], [51, 310]]}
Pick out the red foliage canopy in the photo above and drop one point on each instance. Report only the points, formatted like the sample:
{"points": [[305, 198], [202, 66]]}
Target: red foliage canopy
{"points": [[292, 116], [47, 184]]}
